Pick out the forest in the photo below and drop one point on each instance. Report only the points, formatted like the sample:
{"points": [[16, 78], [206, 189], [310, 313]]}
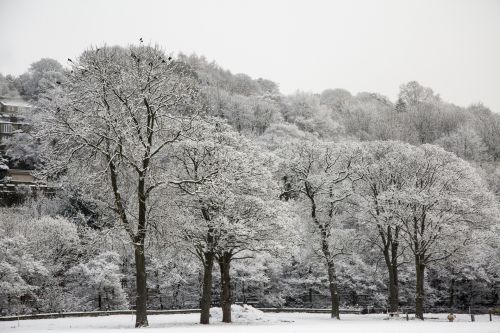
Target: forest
{"points": [[177, 184]]}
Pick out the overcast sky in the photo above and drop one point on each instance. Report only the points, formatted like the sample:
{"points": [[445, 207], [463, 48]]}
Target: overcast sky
{"points": [[452, 46]]}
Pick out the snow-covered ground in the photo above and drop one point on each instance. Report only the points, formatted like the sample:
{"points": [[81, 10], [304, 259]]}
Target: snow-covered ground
{"points": [[252, 321]]}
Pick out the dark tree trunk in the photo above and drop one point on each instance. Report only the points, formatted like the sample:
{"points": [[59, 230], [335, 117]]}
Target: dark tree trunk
{"points": [[206, 297], [394, 263], [137, 240], [390, 252], [332, 277], [334, 295], [452, 293], [140, 258], [419, 295], [225, 294], [207, 258], [141, 318], [393, 290], [393, 283]]}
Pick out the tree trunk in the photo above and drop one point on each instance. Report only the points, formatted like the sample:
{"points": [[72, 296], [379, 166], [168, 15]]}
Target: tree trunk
{"points": [[393, 290], [206, 297], [452, 293], [225, 295], [419, 296], [332, 276], [392, 269], [334, 295], [141, 318], [389, 239], [140, 259]]}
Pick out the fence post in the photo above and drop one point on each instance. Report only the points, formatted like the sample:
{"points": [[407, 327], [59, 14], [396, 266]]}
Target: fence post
{"points": [[490, 315], [407, 317], [472, 317]]}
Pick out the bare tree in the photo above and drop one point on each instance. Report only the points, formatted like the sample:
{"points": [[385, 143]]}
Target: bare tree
{"points": [[232, 199], [107, 125], [382, 168], [320, 176], [441, 202]]}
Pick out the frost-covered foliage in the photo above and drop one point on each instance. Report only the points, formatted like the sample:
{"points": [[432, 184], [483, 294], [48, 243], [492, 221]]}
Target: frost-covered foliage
{"points": [[41, 259], [41, 76], [23, 151], [20, 275], [319, 177], [96, 284], [115, 114], [167, 166]]}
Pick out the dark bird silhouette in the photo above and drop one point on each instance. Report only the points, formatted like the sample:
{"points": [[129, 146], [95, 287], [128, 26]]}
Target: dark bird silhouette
{"points": [[70, 60], [169, 58], [163, 61], [58, 82], [140, 39]]}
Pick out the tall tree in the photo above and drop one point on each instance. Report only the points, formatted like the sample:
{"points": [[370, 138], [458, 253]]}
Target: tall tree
{"points": [[206, 159], [441, 202], [234, 201], [320, 176], [382, 168], [114, 115]]}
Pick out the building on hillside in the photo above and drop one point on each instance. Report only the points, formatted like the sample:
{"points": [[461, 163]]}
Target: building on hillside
{"points": [[12, 120], [12, 116]]}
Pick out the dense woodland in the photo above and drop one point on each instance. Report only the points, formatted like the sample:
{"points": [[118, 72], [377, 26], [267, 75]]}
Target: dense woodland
{"points": [[182, 185]]}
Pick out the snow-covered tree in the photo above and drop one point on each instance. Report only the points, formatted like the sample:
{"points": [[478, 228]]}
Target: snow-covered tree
{"points": [[23, 151], [113, 115], [8, 86], [96, 284], [233, 202], [440, 203], [21, 274], [320, 175], [337, 100], [41, 75], [465, 143], [384, 166]]}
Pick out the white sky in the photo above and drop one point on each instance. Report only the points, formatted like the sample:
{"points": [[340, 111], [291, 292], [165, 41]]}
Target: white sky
{"points": [[452, 46]]}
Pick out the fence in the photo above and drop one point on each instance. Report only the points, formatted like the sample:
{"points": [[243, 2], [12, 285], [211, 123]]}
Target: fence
{"points": [[155, 312], [403, 312]]}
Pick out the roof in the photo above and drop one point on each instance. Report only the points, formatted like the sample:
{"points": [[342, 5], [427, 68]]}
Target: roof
{"points": [[19, 102]]}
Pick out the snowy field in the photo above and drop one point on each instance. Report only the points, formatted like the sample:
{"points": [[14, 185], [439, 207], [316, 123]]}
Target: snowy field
{"points": [[269, 322]]}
